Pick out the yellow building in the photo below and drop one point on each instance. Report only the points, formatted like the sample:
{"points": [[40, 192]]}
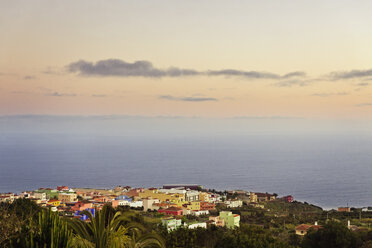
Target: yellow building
{"points": [[154, 194], [204, 196], [179, 202], [195, 206], [55, 203], [65, 197], [253, 197], [179, 197]]}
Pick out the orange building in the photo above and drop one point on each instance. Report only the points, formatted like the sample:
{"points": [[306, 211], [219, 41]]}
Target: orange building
{"points": [[207, 206]]}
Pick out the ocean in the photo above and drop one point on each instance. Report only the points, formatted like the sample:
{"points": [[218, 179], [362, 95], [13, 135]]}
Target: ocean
{"points": [[325, 170]]}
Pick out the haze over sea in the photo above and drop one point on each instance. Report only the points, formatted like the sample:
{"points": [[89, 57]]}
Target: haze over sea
{"points": [[321, 167]]}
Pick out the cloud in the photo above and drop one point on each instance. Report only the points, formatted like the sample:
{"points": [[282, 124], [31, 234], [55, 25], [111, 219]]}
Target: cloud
{"points": [[245, 74], [98, 95], [28, 77], [295, 74], [368, 104], [142, 68], [362, 84], [293, 82], [187, 99], [273, 117], [59, 94], [350, 74], [330, 94], [116, 67]]}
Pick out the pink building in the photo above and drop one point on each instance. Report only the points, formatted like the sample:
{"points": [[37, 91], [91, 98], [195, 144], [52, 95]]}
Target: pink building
{"points": [[101, 199], [115, 203], [216, 220], [80, 206], [288, 198]]}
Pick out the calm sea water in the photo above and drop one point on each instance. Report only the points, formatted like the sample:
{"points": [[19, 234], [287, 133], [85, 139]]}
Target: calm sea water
{"points": [[329, 171]]}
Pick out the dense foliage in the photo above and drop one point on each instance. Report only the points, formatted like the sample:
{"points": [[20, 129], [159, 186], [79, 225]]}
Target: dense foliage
{"points": [[24, 224], [245, 237]]}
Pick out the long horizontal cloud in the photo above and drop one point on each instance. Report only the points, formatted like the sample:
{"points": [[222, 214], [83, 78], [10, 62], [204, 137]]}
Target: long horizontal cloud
{"points": [[188, 99], [331, 94], [120, 68], [367, 104], [59, 94], [350, 74], [254, 74], [274, 117], [293, 82]]}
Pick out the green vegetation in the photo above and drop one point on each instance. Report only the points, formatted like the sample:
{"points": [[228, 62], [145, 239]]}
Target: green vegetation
{"points": [[50, 231], [245, 236], [24, 224], [16, 220], [109, 229], [43, 228]]}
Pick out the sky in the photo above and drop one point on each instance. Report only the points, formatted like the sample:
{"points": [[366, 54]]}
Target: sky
{"points": [[207, 59]]}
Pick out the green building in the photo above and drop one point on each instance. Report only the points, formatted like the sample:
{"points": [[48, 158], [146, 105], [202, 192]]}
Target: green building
{"points": [[231, 220], [171, 223]]}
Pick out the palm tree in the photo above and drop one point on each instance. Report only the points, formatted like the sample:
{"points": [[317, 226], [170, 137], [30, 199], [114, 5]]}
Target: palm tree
{"points": [[107, 230], [141, 239], [50, 231]]}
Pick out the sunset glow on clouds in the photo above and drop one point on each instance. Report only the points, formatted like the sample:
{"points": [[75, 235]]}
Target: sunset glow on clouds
{"points": [[307, 59]]}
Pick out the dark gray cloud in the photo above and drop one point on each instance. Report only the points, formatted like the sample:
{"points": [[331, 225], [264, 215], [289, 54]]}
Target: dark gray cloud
{"points": [[353, 74], [330, 94], [187, 99], [120, 68], [59, 94], [245, 74], [116, 67], [367, 104]]}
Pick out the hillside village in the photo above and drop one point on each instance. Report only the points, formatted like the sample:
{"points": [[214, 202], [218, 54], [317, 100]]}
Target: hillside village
{"points": [[172, 202], [191, 216], [191, 206]]}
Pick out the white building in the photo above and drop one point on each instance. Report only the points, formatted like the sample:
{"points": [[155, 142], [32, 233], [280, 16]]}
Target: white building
{"points": [[199, 212], [123, 203], [192, 195], [234, 204], [196, 225], [136, 204], [172, 191], [214, 198], [41, 196]]}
